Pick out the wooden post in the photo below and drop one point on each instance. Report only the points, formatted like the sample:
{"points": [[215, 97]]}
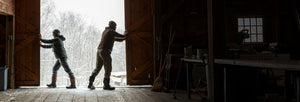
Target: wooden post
{"points": [[154, 11], [210, 68]]}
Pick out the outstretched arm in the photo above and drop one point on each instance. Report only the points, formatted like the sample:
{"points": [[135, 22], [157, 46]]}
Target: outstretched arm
{"points": [[48, 41], [120, 39], [46, 46], [116, 34]]}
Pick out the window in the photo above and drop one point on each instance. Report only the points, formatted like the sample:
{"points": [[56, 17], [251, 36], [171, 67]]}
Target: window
{"points": [[255, 27]]}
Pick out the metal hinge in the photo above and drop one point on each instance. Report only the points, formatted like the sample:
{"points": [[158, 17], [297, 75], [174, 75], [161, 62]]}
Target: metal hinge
{"points": [[10, 37]]}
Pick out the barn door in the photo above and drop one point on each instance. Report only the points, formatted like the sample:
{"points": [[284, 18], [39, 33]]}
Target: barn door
{"points": [[27, 51], [139, 44]]}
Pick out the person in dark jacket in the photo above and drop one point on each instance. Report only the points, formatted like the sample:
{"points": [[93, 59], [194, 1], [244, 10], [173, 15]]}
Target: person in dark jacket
{"points": [[109, 36], [58, 48]]}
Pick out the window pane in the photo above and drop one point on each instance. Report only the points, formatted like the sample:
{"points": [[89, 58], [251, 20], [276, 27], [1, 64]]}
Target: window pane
{"points": [[248, 28], [253, 21], [240, 21], [253, 38], [241, 28], [253, 29], [260, 38], [254, 26], [247, 21], [259, 30], [247, 40], [259, 21]]}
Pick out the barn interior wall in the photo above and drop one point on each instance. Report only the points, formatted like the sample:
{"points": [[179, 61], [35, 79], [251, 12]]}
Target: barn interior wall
{"points": [[188, 19], [279, 26], [277, 19]]}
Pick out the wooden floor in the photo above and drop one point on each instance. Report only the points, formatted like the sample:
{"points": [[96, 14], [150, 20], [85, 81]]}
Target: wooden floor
{"points": [[99, 95]]}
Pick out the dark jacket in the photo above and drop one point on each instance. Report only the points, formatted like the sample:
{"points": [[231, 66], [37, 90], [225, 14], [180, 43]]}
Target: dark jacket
{"points": [[109, 36], [57, 45]]}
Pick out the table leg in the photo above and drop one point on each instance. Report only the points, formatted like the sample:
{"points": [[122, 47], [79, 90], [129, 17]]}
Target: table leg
{"points": [[207, 80], [225, 84], [188, 80], [179, 70], [298, 89]]}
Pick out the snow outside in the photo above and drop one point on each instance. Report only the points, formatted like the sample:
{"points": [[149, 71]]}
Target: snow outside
{"points": [[82, 23]]}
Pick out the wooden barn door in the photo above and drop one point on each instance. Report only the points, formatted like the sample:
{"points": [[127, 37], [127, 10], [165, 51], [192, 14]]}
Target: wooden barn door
{"points": [[27, 51], [139, 44]]}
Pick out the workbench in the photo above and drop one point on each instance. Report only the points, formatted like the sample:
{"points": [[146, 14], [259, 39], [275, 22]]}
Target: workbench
{"points": [[273, 63]]}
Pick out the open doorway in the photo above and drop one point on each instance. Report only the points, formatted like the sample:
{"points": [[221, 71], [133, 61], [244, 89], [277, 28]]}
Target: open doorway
{"points": [[82, 23], [2, 40], [7, 48]]}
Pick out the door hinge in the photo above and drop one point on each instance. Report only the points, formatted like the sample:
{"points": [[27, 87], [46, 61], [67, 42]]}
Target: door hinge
{"points": [[10, 37]]}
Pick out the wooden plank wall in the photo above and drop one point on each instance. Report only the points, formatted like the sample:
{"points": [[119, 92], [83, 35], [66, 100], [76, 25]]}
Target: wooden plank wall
{"points": [[7, 7], [189, 19]]}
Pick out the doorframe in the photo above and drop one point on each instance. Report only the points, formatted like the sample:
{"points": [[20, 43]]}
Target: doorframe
{"points": [[10, 48]]}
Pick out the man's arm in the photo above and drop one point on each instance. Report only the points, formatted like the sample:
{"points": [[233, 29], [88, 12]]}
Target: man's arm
{"points": [[48, 41], [120, 39], [46, 46], [116, 34]]}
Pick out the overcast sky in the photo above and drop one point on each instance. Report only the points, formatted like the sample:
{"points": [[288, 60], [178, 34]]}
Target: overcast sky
{"points": [[98, 12]]}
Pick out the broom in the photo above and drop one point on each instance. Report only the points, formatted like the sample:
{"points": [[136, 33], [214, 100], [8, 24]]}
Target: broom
{"points": [[158, 83]]}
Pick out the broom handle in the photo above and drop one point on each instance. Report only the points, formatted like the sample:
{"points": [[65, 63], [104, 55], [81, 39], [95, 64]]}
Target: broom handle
{"points": [[171, 37]]}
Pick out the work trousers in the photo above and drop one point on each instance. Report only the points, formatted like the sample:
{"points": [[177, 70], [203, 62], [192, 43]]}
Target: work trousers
{"points": [[62, 62], [103, 58]]}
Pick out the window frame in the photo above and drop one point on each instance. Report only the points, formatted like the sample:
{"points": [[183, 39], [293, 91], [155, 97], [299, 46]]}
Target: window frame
{"points": [[256, 25]]}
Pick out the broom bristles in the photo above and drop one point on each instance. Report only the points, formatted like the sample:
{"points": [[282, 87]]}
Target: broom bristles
{"points": [[158, 84]]}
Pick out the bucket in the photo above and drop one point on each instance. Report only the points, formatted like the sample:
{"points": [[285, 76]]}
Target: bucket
{"points": [[3, 78]]}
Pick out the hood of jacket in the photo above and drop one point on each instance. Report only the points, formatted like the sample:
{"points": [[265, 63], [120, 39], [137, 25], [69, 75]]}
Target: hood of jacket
{"points": [[61, 37]]}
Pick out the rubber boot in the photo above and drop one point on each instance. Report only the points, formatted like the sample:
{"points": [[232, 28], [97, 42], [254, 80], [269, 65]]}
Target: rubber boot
{"points": [[91, 81], [72, 86], [106, 84], [53, 83]]}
